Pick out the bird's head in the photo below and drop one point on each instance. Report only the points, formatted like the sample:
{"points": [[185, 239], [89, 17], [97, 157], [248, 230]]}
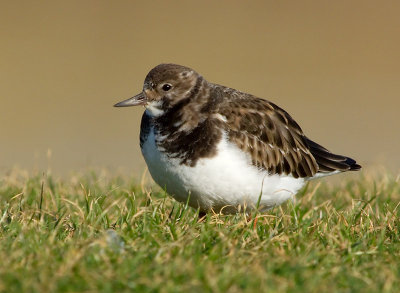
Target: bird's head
{"points": [[165, 86]]}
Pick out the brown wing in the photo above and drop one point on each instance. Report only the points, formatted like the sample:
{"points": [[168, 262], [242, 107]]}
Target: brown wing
{"points": [[269, 134], [273, 139]]}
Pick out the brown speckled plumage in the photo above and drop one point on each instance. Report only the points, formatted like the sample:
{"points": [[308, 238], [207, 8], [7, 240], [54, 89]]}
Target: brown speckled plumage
{"points": [[198, 113]]}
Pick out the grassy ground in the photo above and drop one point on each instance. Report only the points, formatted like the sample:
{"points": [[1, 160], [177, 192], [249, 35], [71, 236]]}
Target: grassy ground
{"points": [[96, 233]]}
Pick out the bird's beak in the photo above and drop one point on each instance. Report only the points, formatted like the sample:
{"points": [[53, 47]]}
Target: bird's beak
{"points": [[137, 100]]}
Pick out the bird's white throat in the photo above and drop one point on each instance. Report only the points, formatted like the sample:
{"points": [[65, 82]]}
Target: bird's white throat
{"points": [[153, 108]]}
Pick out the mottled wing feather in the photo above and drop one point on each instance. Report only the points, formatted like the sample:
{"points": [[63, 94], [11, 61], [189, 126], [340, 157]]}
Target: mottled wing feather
{"points": [[273, 139]]}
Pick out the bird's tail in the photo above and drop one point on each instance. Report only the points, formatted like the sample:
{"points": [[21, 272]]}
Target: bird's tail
{"points": [[330, 163]]}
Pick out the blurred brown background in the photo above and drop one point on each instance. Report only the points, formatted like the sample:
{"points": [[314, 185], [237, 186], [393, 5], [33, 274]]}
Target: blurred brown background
{"points": [[334, 66]]}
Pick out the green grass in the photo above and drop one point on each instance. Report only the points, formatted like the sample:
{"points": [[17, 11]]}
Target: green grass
{"points": [[97, 233]]}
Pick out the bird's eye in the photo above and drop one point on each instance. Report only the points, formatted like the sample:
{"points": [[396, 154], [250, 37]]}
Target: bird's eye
{"points": [[166, 87]]}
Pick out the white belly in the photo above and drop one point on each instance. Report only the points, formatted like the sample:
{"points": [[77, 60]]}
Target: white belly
{"points": [[221, 182]]}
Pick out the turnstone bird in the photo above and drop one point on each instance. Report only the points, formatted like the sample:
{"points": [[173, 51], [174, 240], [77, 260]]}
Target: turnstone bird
{"points": [[220, 149]]}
